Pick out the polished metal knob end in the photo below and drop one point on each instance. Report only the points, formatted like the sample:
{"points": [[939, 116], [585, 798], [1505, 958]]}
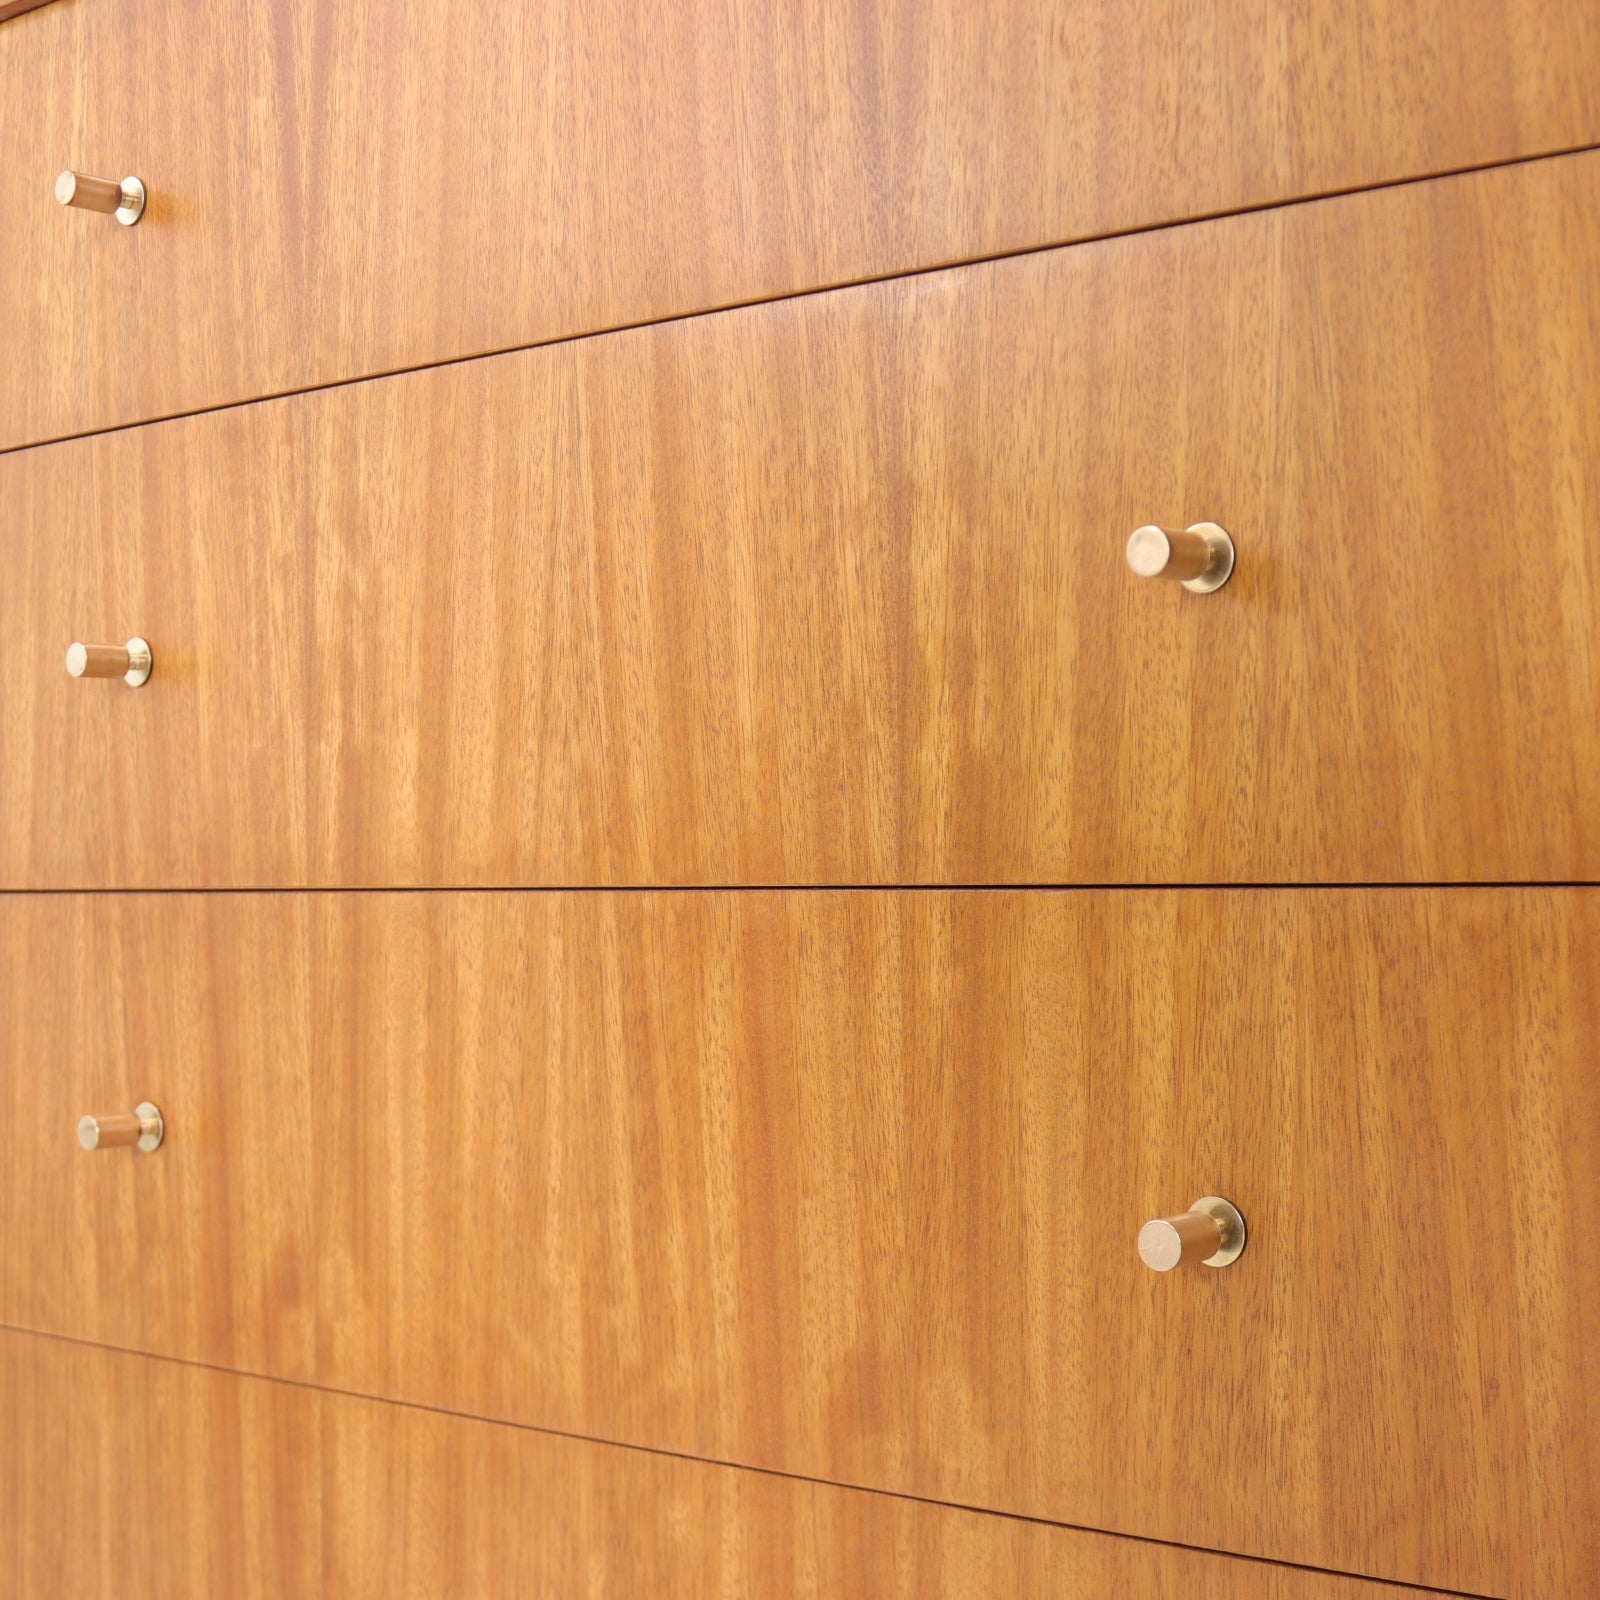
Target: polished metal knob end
{"points": [[1200, 557], [143, 1128], [1211, 1232], [131, 662], [124, 201]]}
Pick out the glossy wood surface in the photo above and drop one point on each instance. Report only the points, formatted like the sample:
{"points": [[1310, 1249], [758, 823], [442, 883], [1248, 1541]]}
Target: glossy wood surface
{"points": [[338, 190], [104, 1457], [848, 1184], [833, 591]]}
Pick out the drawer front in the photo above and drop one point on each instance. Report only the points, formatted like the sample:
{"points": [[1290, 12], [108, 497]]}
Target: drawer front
{"points": [[834, 591], [848, 1184], [335, 191], [131, 1479]]}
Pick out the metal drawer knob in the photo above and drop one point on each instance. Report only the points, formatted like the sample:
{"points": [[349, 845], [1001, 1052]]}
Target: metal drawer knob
{"points": [[131, 661], [1200, 557], [1211, 1231], [142, 1127], [124, 201]]}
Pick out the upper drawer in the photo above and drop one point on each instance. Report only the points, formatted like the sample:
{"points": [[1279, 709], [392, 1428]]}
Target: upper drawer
{"points": [[833, 590], [847, 1185], [343, 189]]}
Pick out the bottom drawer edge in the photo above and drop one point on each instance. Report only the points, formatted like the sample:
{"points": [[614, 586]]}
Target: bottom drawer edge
{"points": [[132, 1476]]}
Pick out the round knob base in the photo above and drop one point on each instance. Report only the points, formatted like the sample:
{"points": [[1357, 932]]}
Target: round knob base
{"points": [[132, 207], [1221, 568], [153, 1129], [1231, 1225], [140, 663]]}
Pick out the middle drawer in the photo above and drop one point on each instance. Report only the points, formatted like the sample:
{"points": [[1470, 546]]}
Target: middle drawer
{"points": [[833, 591], [848, 1184]]}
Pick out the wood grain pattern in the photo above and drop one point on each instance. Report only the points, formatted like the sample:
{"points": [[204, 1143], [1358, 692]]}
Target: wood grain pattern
{"points": [[847, 1184], [308, 1493], [337, 191], [833, 591]]}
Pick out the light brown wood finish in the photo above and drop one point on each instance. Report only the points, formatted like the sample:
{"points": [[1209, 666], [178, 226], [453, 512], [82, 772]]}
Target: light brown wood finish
{"points": [[105, 1457], [835, 590], [337, 191], [848, 1184], [15, 8]]}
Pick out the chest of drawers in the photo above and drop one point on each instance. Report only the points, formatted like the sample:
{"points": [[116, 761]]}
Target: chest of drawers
{"points": [[669, 903]]}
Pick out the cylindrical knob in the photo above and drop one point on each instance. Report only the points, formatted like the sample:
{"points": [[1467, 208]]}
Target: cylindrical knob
{"points": [[130, 662], [142, 1127], [1211, 1231], [124, 201], [1200, 556]]}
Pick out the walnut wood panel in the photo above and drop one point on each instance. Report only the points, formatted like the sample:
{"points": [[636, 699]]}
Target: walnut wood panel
{"points": [[336, 190], [833, 590], [847, 1184], [130, 1478]]}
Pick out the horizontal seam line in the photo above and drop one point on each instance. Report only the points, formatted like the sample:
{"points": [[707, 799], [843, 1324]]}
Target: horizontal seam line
{"points": [[1265, 887], [574, 1437], [723, 308]]}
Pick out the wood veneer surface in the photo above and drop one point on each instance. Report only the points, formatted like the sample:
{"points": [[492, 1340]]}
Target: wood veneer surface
{"points": [[833, 591], [131, 1479], [341, 187], [847, 1184]]}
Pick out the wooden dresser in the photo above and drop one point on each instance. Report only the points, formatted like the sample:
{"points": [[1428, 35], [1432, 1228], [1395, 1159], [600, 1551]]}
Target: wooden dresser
{"points": [[643, 948]]}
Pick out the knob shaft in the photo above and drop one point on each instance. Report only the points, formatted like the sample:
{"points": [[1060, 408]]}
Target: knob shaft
{"points": [[142, 1127], [1200, 556], [124, 201], [131, 662], [1211, 1231]]}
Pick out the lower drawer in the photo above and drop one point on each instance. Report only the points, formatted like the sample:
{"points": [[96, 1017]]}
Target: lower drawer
{"points": [[125, 1478], [847, 1185]]}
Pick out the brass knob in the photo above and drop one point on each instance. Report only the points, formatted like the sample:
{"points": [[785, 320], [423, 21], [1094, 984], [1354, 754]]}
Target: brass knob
{"points": [[1200, 557], [142, 1127], [131, 661], [1211, 1231], [124, 201]]}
